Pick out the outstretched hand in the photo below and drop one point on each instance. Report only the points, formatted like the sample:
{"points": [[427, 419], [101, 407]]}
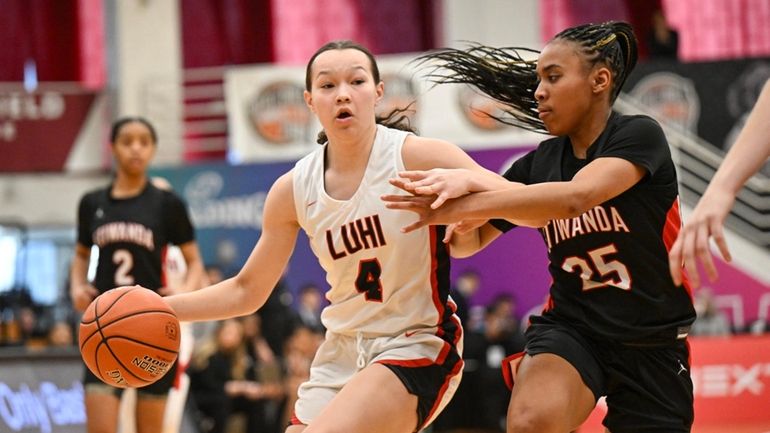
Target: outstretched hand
{"points": [[419, 204], [442, 183], [692, 244]]}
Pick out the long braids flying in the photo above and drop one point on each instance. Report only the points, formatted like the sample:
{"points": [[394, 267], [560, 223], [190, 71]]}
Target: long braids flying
{"points": [[506, 76], [500, 73]]}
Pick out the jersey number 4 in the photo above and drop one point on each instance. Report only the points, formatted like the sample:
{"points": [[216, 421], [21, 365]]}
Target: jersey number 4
{"points": [[597, 270], [368, 280]]}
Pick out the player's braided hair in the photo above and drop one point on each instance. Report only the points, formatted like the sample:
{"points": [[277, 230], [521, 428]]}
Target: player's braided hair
{"points": [[506, 76], [398, 118], [612, 43]]}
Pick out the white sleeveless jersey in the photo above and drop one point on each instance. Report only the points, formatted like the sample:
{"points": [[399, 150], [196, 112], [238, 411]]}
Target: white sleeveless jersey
{"points": [[383, 282]]}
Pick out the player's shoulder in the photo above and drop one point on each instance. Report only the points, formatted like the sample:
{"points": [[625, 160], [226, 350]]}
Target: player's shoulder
{"points": [[639, 129], [165, 195], [549, 146], [280, 199], [635, 122], [416, 143], [285, 181], [94, 195], [424, 153], [282, 189]]}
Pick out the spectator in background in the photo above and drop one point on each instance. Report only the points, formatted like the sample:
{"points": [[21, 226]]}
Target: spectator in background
{"points": [[222, 380], [481, 401], [466, 285], [309, 306], [501, 316], [269, 373], [213, 275], [663, 40], [300, 349], [710, 320], [29, 327], [278, 318], [60, 335], [132, 222]]}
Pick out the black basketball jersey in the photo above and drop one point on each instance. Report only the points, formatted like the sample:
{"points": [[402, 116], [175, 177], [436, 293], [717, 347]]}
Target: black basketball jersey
{"points": [[132, 234], [610, 265]]}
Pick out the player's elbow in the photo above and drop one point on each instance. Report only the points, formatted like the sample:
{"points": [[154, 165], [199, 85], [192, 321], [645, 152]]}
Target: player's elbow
{"points": [[247, 297]]}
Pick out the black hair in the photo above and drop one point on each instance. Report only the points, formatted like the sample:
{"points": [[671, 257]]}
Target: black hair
{"points": [[506, 76], [395, 119], [118, 125], [612, 43]]}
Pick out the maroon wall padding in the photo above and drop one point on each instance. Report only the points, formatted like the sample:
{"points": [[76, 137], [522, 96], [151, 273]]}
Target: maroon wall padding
{"points": [[43, 30]]}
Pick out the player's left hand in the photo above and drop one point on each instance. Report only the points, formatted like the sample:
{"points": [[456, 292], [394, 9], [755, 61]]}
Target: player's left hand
{"points": [[442, 183]]}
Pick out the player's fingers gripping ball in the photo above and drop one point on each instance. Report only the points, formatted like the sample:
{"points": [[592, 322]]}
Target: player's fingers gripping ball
{"points": [[129, 337]]}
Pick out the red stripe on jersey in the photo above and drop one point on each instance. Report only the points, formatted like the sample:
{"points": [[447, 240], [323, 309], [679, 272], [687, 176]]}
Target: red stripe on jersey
{"points": [[434, 275], [163, 254], [294, 420], [670, 232], [672, 226], [455, 371], [420, 362]]}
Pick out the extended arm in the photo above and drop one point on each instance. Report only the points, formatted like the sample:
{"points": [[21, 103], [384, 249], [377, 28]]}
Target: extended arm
{"points": [[460, 175], [247, 291], [750, 151], [599, 181]]}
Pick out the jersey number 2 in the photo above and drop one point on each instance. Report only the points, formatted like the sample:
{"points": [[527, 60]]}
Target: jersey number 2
{"points": [[610, 272], [368, 280], [125, 262]]}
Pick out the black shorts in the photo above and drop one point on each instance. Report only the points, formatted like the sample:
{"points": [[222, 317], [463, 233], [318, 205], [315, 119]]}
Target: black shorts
{"points": [[648, 387], [156, 389]]}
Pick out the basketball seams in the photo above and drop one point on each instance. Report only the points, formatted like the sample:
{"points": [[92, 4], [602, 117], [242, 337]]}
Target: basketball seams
{"points": [[114, 301], [99, 327], [122, 337], [126, 337]]}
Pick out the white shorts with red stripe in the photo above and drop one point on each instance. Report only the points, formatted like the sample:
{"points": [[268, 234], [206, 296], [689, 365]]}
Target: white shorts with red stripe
{"points": [[427, 361]]}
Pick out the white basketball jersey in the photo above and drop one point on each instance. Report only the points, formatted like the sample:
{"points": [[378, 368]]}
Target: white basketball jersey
{"points": [[383, 282]]}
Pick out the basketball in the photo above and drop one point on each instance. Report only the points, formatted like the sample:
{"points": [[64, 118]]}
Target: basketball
{"points": [[129, 337]]}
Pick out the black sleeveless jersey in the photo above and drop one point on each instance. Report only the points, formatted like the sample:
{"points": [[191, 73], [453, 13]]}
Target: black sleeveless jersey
{"points": [[132, 234], [610, 265]]}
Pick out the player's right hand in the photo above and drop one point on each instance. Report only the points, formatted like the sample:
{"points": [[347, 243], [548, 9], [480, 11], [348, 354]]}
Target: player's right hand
{"points": [[693, 243]]}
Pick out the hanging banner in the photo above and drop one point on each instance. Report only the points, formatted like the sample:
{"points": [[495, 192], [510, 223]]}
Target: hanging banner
{"points": [[710, 99], [269, 121], [54, 128]]}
